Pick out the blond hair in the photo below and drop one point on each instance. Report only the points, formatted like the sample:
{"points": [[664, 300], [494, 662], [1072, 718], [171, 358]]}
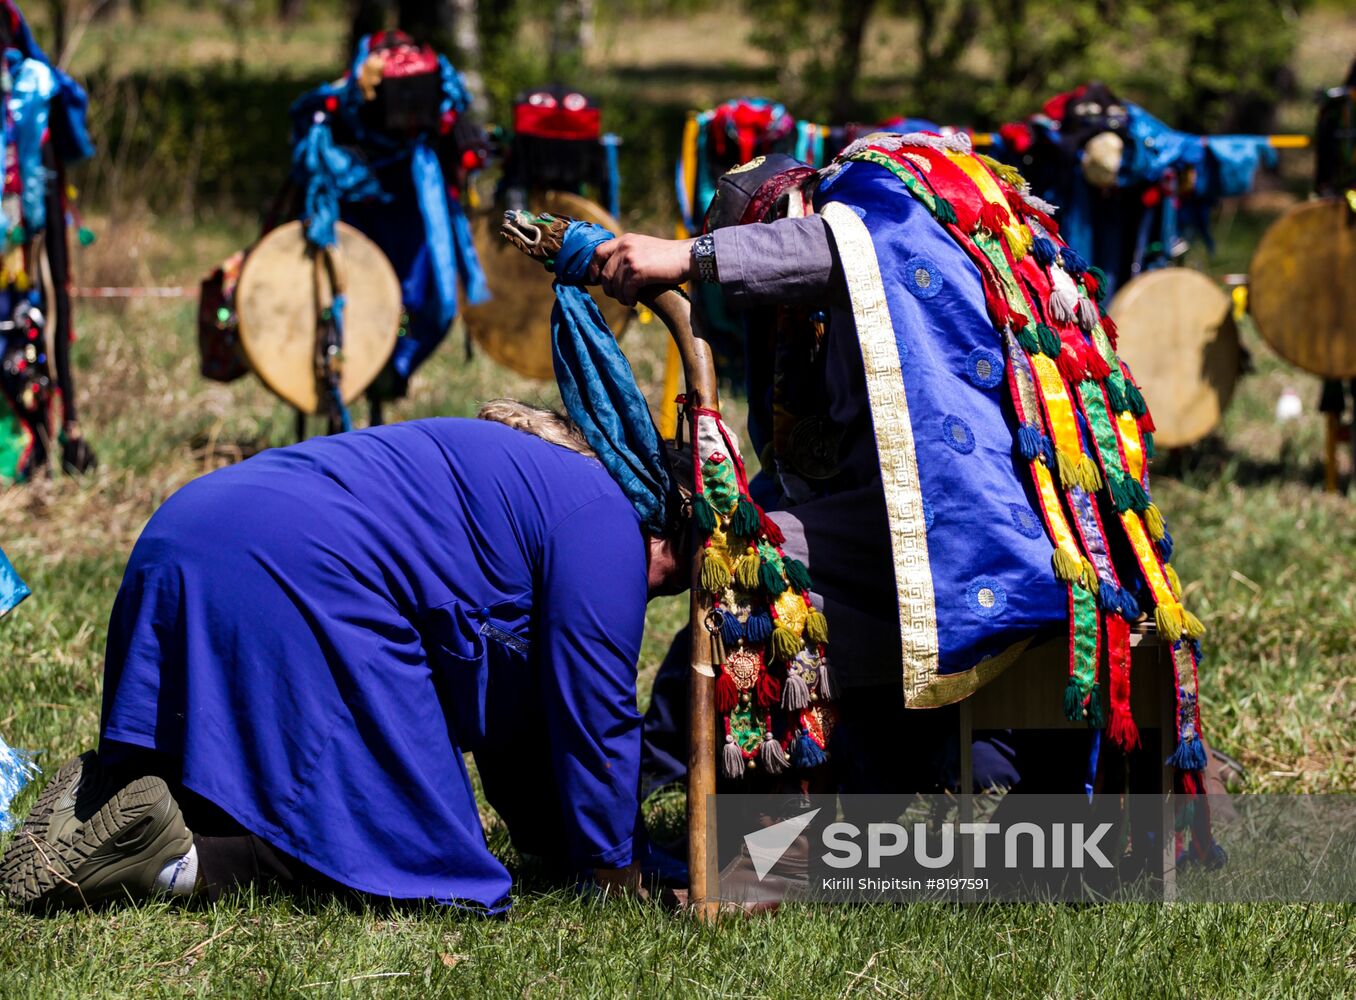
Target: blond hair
{"points": [[557, 428]]}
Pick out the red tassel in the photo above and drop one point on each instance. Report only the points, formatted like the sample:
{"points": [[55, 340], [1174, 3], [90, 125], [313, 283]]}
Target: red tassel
{"points": [[1109, 328], [1122, 730], [727, 695], [770, 529], [1069, 364], [769, 690], [1091, 284], [993, 217], [1146, 423], [1018, 321], [1098, 369], [1015, 202]]}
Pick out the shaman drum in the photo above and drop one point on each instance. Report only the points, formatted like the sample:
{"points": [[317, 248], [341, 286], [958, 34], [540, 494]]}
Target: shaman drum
{"points": [[1178, 336], [283, 287], [1302, 287], [514, 326]]}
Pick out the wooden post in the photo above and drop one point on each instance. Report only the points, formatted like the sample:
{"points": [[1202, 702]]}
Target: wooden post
{"points": [[1333, 429]]}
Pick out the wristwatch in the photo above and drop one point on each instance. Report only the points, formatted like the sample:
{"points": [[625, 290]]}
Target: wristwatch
{"points": [[704, 259]]}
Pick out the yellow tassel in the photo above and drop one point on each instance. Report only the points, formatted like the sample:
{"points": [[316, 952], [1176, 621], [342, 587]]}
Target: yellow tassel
{"points": [[1090, 477], [1168, 618], [1174, 581], [715, 572], [1069, 471], [1090, 580], [746, 569], [1193, 625], [785, 643], [817, 628], [1153, 520], [1068, 565], [1019, 240]]}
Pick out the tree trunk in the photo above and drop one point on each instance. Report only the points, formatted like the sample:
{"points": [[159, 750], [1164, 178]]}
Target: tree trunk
{"points": [[290, 10], [571, 33], [853, 16]]}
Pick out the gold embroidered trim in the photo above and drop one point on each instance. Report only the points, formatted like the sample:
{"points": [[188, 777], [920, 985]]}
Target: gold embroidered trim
{"points": [[894, 444]]}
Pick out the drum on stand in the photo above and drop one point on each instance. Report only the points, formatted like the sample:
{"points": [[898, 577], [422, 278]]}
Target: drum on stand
{"points": [[1302, 296], [514, 326], [278, 301], [1177, 334]]}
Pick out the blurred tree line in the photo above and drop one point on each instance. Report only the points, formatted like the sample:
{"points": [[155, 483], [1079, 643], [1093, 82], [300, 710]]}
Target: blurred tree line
{"points": [[216, 131]]}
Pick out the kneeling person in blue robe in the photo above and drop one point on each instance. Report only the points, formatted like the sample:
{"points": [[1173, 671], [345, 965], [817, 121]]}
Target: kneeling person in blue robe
{"points": [[305, 645]]}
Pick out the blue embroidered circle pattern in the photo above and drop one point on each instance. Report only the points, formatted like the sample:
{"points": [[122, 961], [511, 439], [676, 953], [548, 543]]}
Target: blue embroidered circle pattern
{"points": [[956, 433], [984, 368], [927, 514], [922, 277], [1025, 521], [986, 597]]}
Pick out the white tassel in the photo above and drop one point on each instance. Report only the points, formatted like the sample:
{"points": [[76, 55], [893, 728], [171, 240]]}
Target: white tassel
{"points": [[795, 692], [732, 759], [773, 756], [1063, 297], [1087, 313], [828, 687], [1040, 204]]}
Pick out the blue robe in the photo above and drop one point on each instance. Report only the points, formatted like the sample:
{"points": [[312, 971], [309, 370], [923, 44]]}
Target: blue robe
{"points": [[318, 634]]}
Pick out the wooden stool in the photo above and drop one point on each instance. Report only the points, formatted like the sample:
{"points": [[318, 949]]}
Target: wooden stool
{"points": [[1026, 696]]}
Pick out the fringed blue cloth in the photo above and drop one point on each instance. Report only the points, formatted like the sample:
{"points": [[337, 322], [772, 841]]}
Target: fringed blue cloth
{"points": [[599, 389], [16, 766], [330, 174]]}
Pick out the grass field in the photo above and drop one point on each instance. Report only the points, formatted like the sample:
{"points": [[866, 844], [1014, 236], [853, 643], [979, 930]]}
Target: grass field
{"points": [[1265, 555]]}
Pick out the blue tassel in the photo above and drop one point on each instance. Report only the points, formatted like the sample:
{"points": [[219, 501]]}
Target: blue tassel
{"points": [[1072, 261], [1165, 546], [730, 629], [1189, 755], [758, 628], [1111, 597], [16, 768], [1044, 250], [807, 752], [1129, 606], [1029, 440], [1048, 452], [1197, 651]]}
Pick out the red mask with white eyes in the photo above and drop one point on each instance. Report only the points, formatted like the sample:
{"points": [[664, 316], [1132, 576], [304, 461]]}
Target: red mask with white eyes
{"points": [[556, 112]]}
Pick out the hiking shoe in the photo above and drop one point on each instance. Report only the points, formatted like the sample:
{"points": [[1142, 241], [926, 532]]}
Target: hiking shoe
{"points": [[93, 835]]}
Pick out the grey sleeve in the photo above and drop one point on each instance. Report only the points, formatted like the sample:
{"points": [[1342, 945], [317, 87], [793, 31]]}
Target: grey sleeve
{"points": [[787, 261]]}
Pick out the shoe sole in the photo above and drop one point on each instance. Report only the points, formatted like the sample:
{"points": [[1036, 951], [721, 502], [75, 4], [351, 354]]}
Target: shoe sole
{"points": [[38, 871]]}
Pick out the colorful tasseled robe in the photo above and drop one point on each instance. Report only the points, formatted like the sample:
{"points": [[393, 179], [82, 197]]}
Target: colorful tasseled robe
{"points": [[1036, 391]]}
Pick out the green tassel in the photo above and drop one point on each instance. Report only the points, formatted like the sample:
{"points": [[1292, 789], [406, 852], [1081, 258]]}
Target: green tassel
{"points": [[746, 569], [1089, 476], [715, 572], [1049, 340], [1026, 336], [1149, 450], [771, 579], [1073, 701], [1115, 391], [785, 645], [943, 211], [1134, 399], [745, 522], [796, 574], [1134, 491], [817, 627], [703, 516], [1068, 566], [1096, 718]]}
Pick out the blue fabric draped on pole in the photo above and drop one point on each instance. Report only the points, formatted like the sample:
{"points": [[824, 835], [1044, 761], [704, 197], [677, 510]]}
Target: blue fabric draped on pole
{"points": [[331, 174], [599, 389], [16, 766]]}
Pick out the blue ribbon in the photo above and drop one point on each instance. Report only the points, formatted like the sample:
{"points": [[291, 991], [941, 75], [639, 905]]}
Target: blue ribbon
{"points": [[599, 389], [331, 174]]}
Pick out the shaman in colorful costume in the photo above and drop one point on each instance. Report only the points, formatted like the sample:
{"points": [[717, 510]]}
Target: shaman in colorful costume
{"points": [[387, 149], [559, 145], [1335, 177], [972, 469], [1126, 182], [42, 131], [293, 698]]}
